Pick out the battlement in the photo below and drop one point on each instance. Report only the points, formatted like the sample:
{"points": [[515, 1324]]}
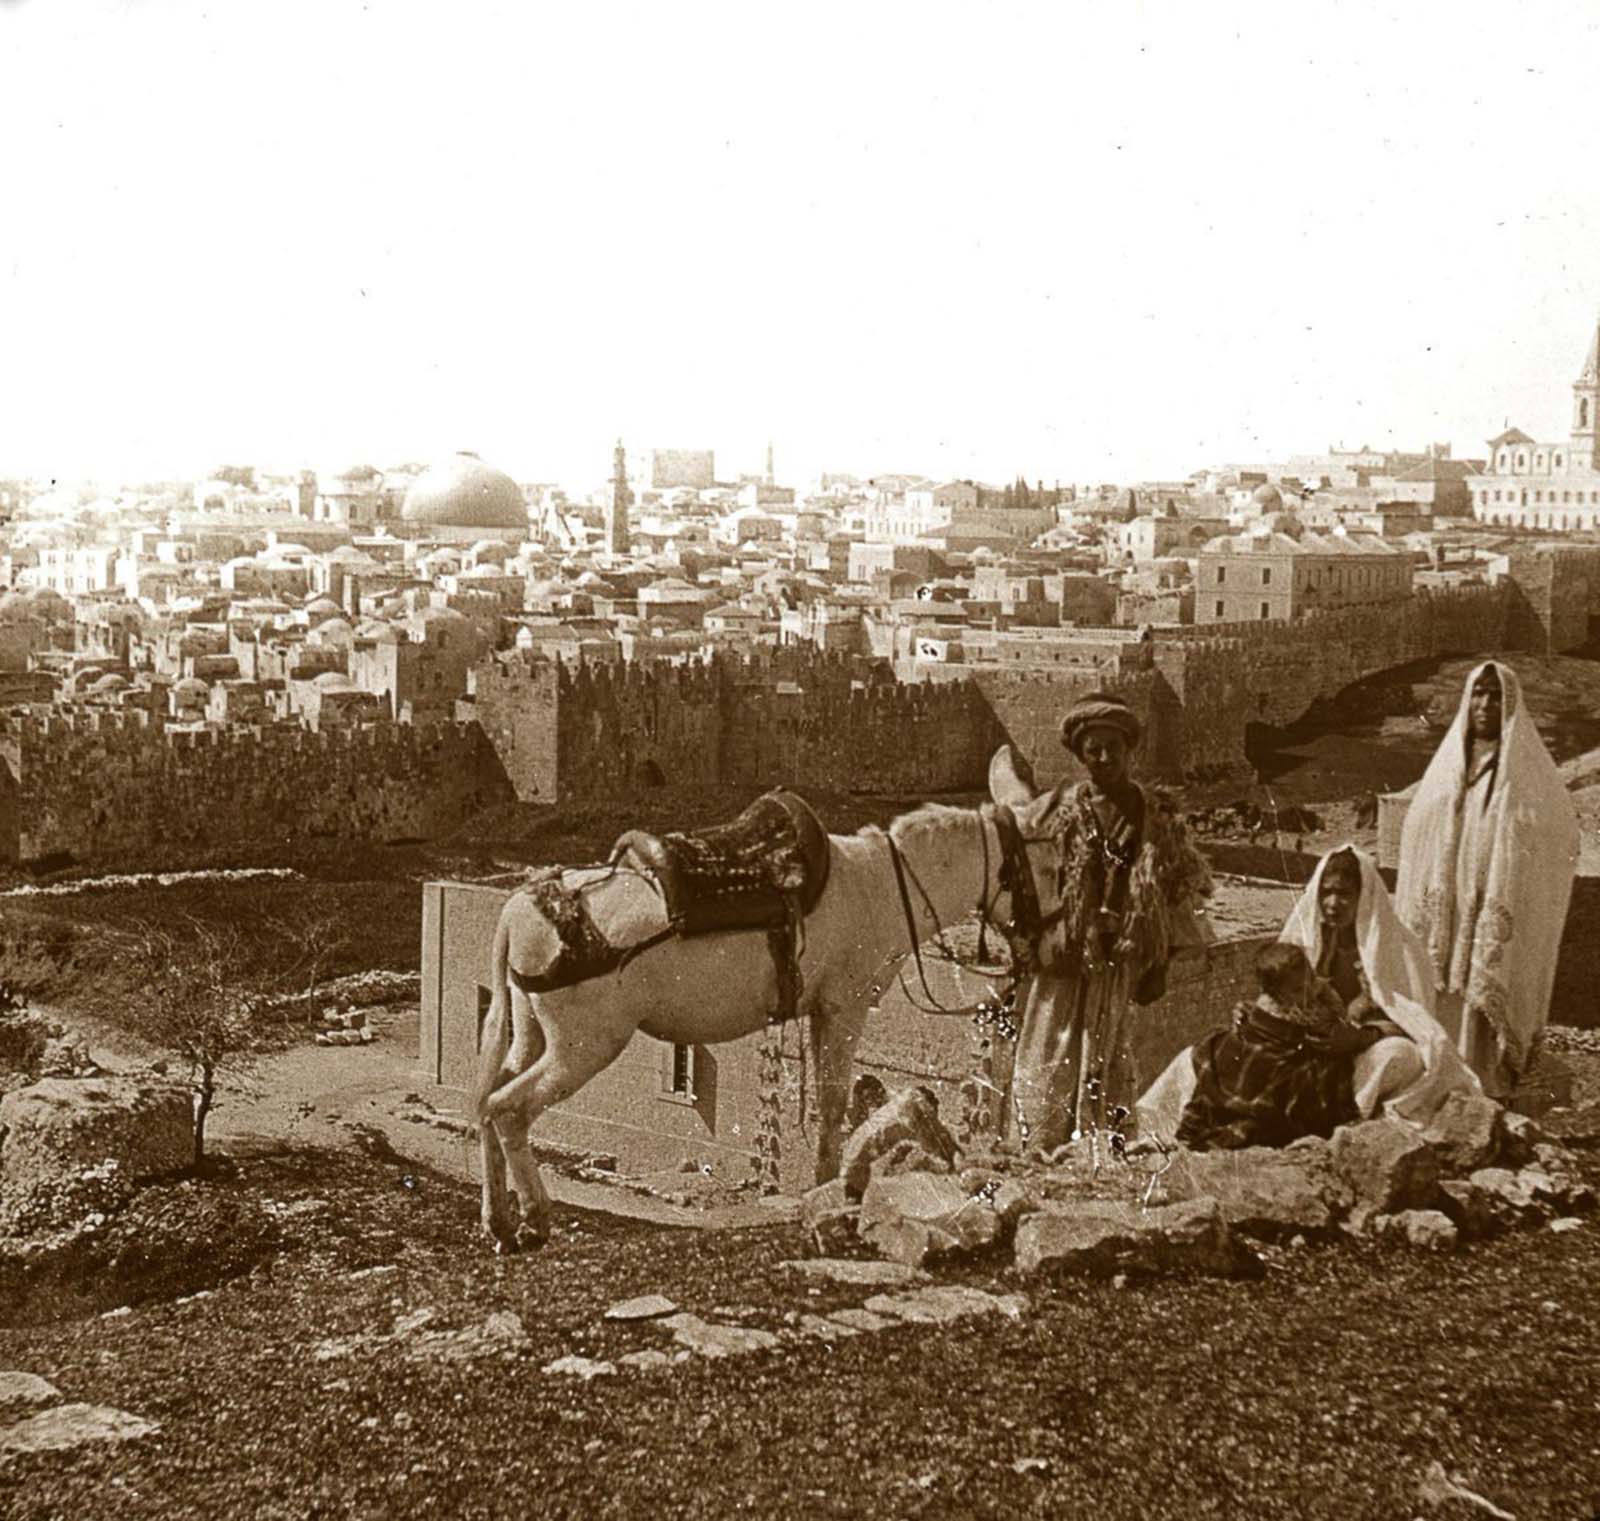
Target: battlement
{"points": [[104, 786]]}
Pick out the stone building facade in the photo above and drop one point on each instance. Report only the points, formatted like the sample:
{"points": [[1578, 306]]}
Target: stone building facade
{"points": [[1553, 486]]}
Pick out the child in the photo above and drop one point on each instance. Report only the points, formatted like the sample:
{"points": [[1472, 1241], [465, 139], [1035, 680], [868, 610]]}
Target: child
{"points": [[1286, 1067]]}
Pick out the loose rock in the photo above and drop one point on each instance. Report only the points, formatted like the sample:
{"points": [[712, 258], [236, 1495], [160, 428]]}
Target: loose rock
{"points": [[1467, 1132], [72, 1426], [1386, 1165], [911, 1115], [645, 1307]]}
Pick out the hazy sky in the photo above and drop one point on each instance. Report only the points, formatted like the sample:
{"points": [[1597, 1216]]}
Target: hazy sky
{"points": [[1079, 241]]}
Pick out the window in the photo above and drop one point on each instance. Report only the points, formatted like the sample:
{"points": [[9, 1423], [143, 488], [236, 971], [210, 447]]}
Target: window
{"points": [[677, 1073], [1222, 574], [1219, 610], [1266, 609], [1266, 577], [1556, 462], [1522, 462]]}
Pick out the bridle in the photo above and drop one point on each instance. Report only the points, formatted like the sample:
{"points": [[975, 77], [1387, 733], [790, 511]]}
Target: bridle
{"points": [[1021, 932]]}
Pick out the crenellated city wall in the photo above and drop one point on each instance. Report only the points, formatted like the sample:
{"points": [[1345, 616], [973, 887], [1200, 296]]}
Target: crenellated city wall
{"points": [[1223, 677], [107, 787], [800, 718]]}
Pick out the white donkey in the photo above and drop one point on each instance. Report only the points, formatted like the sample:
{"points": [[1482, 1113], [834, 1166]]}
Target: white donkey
{"points": [[542, 1047]]}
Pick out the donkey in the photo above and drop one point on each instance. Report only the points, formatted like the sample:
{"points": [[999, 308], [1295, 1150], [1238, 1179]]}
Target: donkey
{"points": [[542, 1047]]}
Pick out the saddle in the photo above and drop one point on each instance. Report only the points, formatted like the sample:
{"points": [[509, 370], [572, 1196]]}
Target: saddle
{"points": [[763, 869]]}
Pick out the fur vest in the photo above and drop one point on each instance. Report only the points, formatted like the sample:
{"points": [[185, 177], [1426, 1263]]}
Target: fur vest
{"points": [[1162, 872]]}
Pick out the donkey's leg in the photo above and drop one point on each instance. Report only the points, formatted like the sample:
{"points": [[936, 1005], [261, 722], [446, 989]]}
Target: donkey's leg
{"points": [[566, 1064], [498, 1223], [835, 1033]]}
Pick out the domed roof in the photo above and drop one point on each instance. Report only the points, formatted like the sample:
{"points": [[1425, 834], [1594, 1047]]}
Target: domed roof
{"points": [[1267, 497], [463, 492], [191, 686]]}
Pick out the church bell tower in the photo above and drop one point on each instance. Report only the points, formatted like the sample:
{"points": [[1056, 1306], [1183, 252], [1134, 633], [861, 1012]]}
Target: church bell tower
{"points": [[1586, 410]]}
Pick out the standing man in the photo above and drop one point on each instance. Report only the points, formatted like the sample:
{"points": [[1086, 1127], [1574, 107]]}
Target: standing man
{"points": [[1487, 858], [1128, 886]]}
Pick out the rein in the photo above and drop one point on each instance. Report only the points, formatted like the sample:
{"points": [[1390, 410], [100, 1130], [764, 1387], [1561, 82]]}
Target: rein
{"points": [[1015, 876]]}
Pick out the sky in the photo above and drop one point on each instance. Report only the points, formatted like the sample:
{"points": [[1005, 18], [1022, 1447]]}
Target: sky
{"points": [[1079, 242]]}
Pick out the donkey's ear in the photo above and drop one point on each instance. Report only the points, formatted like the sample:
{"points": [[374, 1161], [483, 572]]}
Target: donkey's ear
{"points": [[1011, 778]]}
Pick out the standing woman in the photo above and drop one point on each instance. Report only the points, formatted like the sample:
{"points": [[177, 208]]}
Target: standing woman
{"points": [[1487, 858], [1129, 885]]}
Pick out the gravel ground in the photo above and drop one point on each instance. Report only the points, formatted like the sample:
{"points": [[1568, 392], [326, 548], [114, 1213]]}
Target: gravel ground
{"points": [[1327, 1389]]}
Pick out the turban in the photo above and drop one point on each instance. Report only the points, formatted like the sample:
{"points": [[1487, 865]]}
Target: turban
{"points": [[1099, 708]]}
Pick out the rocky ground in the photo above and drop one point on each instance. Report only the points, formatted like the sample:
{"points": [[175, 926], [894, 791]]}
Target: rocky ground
{"points": [[316, 1333]]}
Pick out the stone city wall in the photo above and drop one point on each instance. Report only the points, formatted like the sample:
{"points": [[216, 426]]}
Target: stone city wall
{"points": [[107, 787], [1230, 675], [801, 720]]}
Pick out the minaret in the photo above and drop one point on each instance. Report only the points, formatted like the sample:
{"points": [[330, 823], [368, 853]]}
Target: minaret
{"points": [[1586, 410], [772, 479], [617, 503]]}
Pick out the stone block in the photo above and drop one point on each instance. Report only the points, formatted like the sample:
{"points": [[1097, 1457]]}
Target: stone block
{"points": [[1427, 1229], [1467, 1132], [55, 1131], [1386, 1165], [1511, 1198], [1263, 1192], [911, 1115], [919, 1217], [1102, 1238]]}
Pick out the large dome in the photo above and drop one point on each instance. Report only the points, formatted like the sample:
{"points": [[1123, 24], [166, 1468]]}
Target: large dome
{"points": [[464, 492]]}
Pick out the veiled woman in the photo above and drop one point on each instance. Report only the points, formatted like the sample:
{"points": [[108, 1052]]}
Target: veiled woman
{"points": [[1400, 1062], [1130, 883], [1487, 858]]}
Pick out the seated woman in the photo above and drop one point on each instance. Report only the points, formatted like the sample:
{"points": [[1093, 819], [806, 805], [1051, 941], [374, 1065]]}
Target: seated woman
{"points": [[1346, 926]]}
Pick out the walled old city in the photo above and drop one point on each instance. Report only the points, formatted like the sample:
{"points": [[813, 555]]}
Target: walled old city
{"points": [[378, 652]]}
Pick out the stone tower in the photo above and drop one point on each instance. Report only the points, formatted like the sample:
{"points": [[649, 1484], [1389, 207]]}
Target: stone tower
{"points": [[618, 500], [1586, 409]]}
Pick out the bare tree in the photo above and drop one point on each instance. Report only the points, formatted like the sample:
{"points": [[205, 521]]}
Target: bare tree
{"points": [[216, 999]]}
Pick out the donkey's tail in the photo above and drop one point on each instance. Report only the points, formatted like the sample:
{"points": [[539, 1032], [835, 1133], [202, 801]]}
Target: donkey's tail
{"points": [[496, 1026]]}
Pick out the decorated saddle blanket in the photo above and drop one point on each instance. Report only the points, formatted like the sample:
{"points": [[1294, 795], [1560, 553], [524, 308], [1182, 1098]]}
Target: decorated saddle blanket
{"points": [[764, 870]]}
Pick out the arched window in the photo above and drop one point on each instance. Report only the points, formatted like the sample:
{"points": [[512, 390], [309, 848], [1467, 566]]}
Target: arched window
{"points": [[1505, 459], [1538, 462], [1555, 462], [1522, 463]]}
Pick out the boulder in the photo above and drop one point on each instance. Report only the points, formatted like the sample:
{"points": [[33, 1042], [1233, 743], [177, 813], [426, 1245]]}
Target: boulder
{"points": [[1386, 1166], [911, 1115], [1556, 1179], [1102, 1238], [1510, 1197], [829, 1217], [919, 1217], [55, 1133], [1467, 1133], [1264, 1192], [1428, 1229]]}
